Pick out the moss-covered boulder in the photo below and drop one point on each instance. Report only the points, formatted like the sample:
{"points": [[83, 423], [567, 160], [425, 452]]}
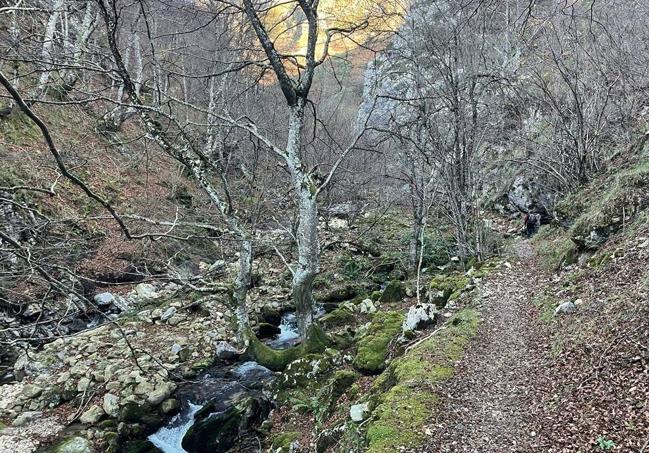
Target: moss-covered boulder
{"points": [[305, 370], [393, 292], [283, 442], [277, 359], [74, 445], [373, 347], [403, 396], [341, 316], [444, 287], [140, 446], [218, 432]]}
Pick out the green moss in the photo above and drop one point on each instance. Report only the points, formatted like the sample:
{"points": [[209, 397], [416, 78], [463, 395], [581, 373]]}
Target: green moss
{"points": [[443, 287], [373, 348], [624, 196], [393, 292], [546, 306], [283, 441], [339, 317], [403, 397], [277, 360], [554, 248]]}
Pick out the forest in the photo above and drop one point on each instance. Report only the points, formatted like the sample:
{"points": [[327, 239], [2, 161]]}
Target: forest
{"points": [[326, 226]]}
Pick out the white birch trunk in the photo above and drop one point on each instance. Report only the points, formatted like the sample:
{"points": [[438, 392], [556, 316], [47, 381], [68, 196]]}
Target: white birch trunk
{"points": [[46, 51]]}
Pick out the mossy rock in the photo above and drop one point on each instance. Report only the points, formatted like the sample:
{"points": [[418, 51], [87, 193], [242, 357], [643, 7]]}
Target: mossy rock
{"points": [[393, 292], [442, 287], [402, 396], [373, 348], [281, 443], [271, 315], [277, 360], [337, 318], [305, 370], [376, 295], [218, 432], [140, 446], [74, 445], [338, 294], [337, 386]]}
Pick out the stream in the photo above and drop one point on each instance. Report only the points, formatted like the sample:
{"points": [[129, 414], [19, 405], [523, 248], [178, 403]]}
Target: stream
{"points": [[222, 386]]}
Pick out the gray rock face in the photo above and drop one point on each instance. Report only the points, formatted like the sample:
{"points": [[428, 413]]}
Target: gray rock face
{"points": [[359, 412], [529, 196], [146, 291], [367, 306], [104, 299], [419, 316], [566, 308]]}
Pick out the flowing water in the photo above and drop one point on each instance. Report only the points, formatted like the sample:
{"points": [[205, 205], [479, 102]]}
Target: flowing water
{"points": [[224, 384]]}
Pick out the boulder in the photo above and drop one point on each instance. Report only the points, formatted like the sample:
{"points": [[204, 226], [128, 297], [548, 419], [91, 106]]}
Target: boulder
{"points": [[566, 308], [162, 392], [146, 291], [419, 316], [393, 292], [265, 330], [170, 406], [111, 405], [74, 445], [359, 412], [26, 417], [104, 299], [169, 312], [32, 391], [225, 351], [92, 415], [218, 432], [367, 306]]}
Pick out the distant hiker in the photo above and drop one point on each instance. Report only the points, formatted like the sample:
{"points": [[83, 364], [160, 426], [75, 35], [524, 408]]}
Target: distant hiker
{"points": [[532, 223]]}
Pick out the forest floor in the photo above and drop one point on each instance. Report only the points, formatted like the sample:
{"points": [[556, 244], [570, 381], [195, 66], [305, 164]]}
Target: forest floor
{"points": [[491, 403]]}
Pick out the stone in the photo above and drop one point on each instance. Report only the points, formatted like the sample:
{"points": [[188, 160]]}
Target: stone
{"points": [[367, 306], [161, 393], [419, 316], [104, 299], [566, 308], [359, 412], [183, 353], [83, 384], [225, 351], [146, 291], [170, 406], [111, 405], [74, 445], [393, 292], [143, 388], [26, 417], [92, 415], [168, 314], [217, 432], [32, 391]]}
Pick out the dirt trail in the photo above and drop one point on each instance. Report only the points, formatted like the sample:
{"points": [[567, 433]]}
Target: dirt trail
{"points": [[489, 404]]}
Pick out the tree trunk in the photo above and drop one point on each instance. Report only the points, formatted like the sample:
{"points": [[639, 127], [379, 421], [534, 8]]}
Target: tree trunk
{"points": [[240, 293], [307, 230]]}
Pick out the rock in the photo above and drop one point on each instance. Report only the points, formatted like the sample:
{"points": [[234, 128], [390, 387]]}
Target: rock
{"points": [[359, 412], [218, 432], [169, 312], [566, 308], [373, 347], [225, 351], [74, 445], [161, 393], [83, 384], [32, 310], [111, 405], [419, 316], [394, 292], [170, 406], [146, 291], [92, 415], [367, 306], [26, 417], [271, 315], [32, 391], [122, 303], [104, 299], [183, 353]]}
